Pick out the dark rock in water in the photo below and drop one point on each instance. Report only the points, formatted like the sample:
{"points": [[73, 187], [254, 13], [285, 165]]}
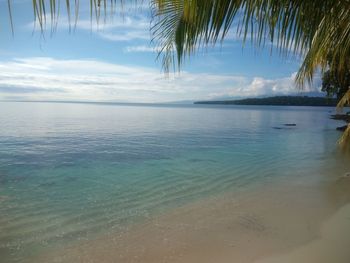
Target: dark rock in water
{"points": [[342, 128], [342, 117], [286, 125]]}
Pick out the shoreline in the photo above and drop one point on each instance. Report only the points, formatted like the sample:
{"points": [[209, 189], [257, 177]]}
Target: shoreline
{"points": [[264, 225]]}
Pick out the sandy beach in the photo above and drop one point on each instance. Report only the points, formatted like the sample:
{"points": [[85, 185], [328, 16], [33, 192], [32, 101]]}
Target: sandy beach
{"points": [[294, 222], [331, 246]]}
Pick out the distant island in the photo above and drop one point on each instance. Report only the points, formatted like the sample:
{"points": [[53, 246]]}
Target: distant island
{"points": [[278, 101]]}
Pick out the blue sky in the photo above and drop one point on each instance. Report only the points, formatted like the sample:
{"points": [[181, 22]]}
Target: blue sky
{"points": [[116, 61]]}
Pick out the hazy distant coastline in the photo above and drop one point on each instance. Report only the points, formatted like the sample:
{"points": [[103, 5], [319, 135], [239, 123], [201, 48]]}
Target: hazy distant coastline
{"points": [[278, 101]]}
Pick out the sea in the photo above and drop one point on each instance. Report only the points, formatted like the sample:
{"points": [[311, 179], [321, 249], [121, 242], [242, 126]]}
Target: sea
{"points": [[71, 172]]}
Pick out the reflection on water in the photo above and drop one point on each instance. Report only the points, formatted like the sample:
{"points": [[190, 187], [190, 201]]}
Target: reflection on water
{"points": [[71, 172]]}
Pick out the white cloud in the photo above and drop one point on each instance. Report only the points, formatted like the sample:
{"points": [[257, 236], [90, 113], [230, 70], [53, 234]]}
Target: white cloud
{"points": [[257, 87], [141, 48], [125, 35], [51, 79], [121, 28], [126, 26], [43, 78]]}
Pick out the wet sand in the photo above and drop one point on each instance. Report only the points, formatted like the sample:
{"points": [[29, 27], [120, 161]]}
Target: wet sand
{"points": [[286, 222]]}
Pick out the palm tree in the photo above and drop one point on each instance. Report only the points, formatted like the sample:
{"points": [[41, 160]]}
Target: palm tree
{"points": [[317, 31]]}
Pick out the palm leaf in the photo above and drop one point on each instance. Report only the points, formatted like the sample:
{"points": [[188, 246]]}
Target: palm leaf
{"points": [[344, 101], [345, 139], [10, 14], [290, 25], [41, 12]]}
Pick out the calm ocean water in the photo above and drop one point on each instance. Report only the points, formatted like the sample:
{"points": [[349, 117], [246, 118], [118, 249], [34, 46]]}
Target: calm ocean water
{"points": [[72, 172]]}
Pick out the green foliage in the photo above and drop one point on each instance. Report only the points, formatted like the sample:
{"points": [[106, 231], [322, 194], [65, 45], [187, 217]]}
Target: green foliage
{"points": [[335, 85], [278, 101]]}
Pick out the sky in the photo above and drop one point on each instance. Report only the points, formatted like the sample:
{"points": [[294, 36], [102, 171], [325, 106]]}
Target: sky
{"points": [[116, 61]]}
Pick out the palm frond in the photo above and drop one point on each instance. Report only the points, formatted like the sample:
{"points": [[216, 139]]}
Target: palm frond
{"points": [[344, 101], [330, 45], [10, 14], [344, 140], [290, 25], [44, 10]]}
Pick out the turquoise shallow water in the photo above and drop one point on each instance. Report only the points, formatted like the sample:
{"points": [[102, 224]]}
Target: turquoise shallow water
{"points": [[71, 172]]}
